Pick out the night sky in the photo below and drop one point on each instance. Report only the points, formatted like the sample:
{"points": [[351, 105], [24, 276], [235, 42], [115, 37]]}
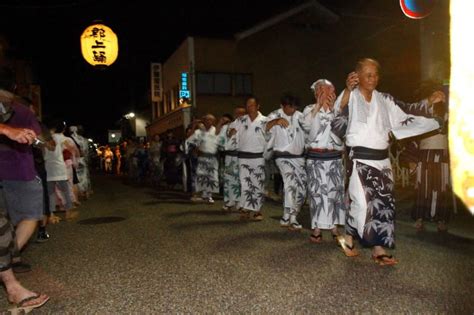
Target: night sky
{"points": [[48, 34]]}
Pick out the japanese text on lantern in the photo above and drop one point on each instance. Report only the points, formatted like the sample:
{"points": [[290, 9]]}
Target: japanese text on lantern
{"points": [[98, 49], [99, 45]]}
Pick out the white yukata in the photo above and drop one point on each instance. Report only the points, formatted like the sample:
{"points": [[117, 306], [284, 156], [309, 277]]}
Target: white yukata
{"points": [[231, 166], [288, 146], [251, 145], [207, 172], [324, 169], [372, 211]]}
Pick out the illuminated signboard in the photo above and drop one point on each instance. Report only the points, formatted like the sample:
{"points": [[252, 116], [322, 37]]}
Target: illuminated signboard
{"points": [[184, 92]]}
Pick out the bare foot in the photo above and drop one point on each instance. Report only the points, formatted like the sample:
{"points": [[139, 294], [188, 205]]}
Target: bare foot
{"points": [[18, 293]]}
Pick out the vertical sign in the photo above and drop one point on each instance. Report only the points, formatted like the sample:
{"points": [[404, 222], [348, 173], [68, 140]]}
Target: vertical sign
{"points": [[184, 91], [156, 82]]}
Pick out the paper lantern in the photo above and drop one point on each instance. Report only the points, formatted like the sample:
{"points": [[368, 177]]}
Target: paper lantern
{"points": [[99, 45], [417, 9]]}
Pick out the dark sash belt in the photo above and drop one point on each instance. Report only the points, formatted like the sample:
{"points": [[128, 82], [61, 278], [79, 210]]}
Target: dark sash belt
{"points": [[250, 155], [324, 156], [363, 153], [286, 155], [231, 153], [207, 155]]}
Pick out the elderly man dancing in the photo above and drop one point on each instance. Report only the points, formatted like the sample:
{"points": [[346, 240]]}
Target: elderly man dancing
{"points": [[207, 176], [251, 145], [324, 163], [371, 118], [287, 138]]}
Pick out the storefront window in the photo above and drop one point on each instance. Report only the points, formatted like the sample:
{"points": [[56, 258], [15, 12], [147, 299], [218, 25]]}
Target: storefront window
{"points": [[242, 84], [210, 83], [205, 83]]}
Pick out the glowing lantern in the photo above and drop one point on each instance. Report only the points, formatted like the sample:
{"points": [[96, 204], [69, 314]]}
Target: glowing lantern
{"points": [[99, 45], [417, 9], [461, 100]]}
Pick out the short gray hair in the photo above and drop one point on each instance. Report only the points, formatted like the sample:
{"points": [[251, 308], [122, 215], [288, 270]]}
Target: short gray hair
{"points": [[319, 83]]}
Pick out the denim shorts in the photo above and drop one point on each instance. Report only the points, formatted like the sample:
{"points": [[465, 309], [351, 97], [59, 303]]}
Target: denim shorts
{"points": [[23, 200]]}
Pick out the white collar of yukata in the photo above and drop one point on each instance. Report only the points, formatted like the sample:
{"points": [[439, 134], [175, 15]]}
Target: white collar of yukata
{"points": [[247, 117], [321, 109]]}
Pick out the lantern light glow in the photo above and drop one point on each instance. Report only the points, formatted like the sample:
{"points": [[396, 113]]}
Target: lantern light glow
{"points": [[461, 100], [99, 45]]}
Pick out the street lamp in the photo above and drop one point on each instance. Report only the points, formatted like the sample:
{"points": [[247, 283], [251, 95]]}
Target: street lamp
{"points": [[130, 115]]}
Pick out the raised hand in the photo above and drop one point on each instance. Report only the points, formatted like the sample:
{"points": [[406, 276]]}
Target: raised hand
{"points": [[352, 81], [330, 100], [437, 97], [283, 122]]}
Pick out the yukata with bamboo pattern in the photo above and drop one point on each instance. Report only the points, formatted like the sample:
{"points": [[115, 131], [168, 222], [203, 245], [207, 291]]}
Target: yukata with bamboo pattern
{"points": [[371, 216], [251, 145], [325, 175], [288, 145], [207, 172], [228, 144]]}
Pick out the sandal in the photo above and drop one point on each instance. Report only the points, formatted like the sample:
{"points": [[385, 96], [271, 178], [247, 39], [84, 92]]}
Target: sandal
{"points": [[284, 223], [334, 238], [295, 227], [384, 260], [348, 250], [258, 216], [20, 267], [21, 308], [316, 239]]}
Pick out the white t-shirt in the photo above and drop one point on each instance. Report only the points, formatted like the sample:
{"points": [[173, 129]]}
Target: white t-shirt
{"points": [[54, 161]]}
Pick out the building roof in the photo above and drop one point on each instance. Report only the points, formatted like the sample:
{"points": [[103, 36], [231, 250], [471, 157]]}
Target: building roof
{"points": [[326, 15]]}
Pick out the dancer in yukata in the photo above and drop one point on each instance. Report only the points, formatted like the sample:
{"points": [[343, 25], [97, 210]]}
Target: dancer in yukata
{"points": [[287, 142], [324, 164], [207, 173], [231, 162], [251, 145], [371, 118]]}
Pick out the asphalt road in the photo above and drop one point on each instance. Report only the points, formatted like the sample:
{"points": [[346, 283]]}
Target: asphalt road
{"points": [[138, 250]]}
